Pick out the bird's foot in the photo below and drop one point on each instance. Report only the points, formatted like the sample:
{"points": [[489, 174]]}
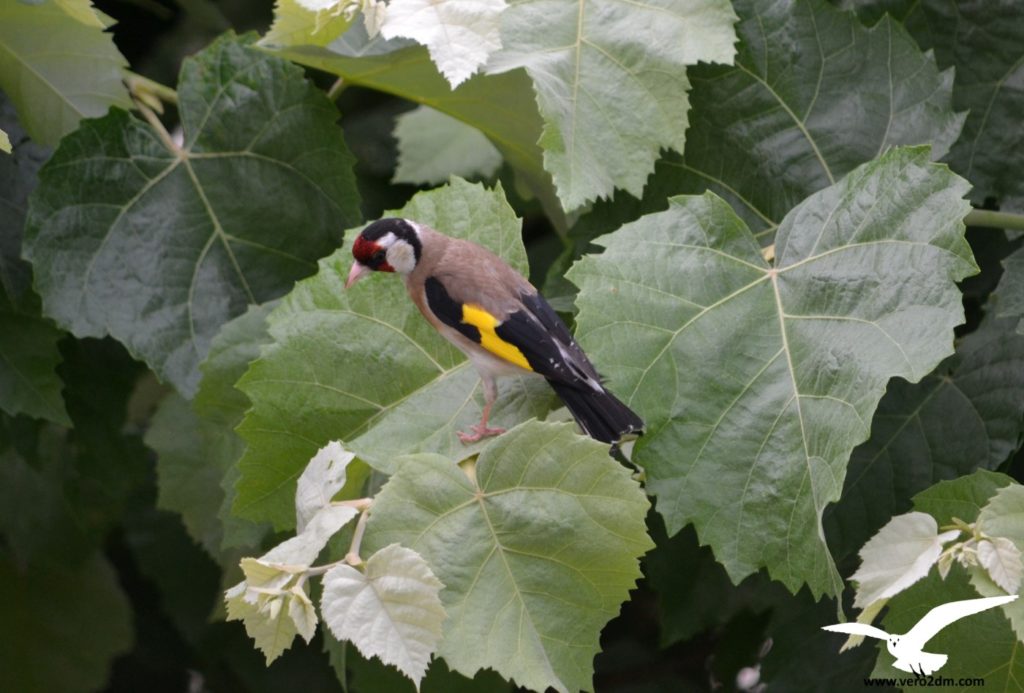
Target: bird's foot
{"points": [[479, 431]]}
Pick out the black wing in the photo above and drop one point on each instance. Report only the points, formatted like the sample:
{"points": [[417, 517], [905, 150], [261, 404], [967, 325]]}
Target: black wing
{"points": [[533, 337]]}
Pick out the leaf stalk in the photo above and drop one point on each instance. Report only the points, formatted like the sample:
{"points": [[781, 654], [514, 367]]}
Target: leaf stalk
{"points": [[995, 220]]}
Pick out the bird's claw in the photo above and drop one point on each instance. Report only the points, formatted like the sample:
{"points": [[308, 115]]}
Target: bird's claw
{"points": [[479, 431]]}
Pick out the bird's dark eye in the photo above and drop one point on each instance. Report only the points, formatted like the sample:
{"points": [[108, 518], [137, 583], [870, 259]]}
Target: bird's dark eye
{"points": [[378, 258]]}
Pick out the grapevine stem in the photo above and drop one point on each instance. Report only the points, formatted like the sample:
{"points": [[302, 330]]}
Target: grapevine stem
{"points": [[335, 91], [995, 220], [137, 82], [359, 504], [157, 126], [352, 557]]}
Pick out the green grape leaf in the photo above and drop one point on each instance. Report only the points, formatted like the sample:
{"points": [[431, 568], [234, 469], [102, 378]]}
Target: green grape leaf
{"points": [[981, 645], [402, 387], [502, 107], [459, 35], [961, 498], [28, 360], [360, 673], [214, 240], [28, 342], [813, 95], [188, 476], [967, 414], [537, 549], [1010, 291], [58, 65], [197, 446], [802, 657], [63, 625], [900, 554], [296, 24], [19, 174], [598, 138], [37, 513], [757, 381], [433, 146], [699, 596], [390, 609], [982, 41]]}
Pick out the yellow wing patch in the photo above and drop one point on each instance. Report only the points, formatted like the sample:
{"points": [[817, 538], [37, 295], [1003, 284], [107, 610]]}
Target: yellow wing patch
{"points": [[485, 322]]}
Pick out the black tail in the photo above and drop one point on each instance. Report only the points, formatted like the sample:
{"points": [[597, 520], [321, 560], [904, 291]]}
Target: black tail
{"points": [[599, 414]]}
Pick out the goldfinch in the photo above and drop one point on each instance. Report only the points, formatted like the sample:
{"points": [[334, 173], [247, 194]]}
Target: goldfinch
{"points": [[495, 316]]}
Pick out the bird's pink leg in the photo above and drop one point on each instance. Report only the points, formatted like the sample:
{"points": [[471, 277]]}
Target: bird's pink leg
{"points": [[481, 430]]}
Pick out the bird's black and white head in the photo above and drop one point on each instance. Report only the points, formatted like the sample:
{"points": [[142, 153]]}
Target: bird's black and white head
{"points": [[387, 245]]}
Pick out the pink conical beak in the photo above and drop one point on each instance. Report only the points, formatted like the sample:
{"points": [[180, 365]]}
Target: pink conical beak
{"points": [[358, 271]]}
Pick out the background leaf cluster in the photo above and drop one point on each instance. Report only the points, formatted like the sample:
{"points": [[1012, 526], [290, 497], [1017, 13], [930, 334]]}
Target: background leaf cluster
{"points": [[752, 212]]}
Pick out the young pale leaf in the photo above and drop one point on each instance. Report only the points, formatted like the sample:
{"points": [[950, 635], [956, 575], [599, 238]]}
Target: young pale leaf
{"points": [[536, 550], [272, 600], [1001, 558], [1002, 519], [5, 142], [813, 95], [868, 616], [390, 609], [323, 477], [965, 415], [757, 381], [403, 388], [898, 556], [982, 645], [58, 66], [271, 624], [160, 248], [433, 146], [1003, 516], [598, 138], [303, 548], [459, 34]]}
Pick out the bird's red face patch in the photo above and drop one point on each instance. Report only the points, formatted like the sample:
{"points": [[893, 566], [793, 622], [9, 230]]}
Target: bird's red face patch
{"points": [[371, 254]]}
